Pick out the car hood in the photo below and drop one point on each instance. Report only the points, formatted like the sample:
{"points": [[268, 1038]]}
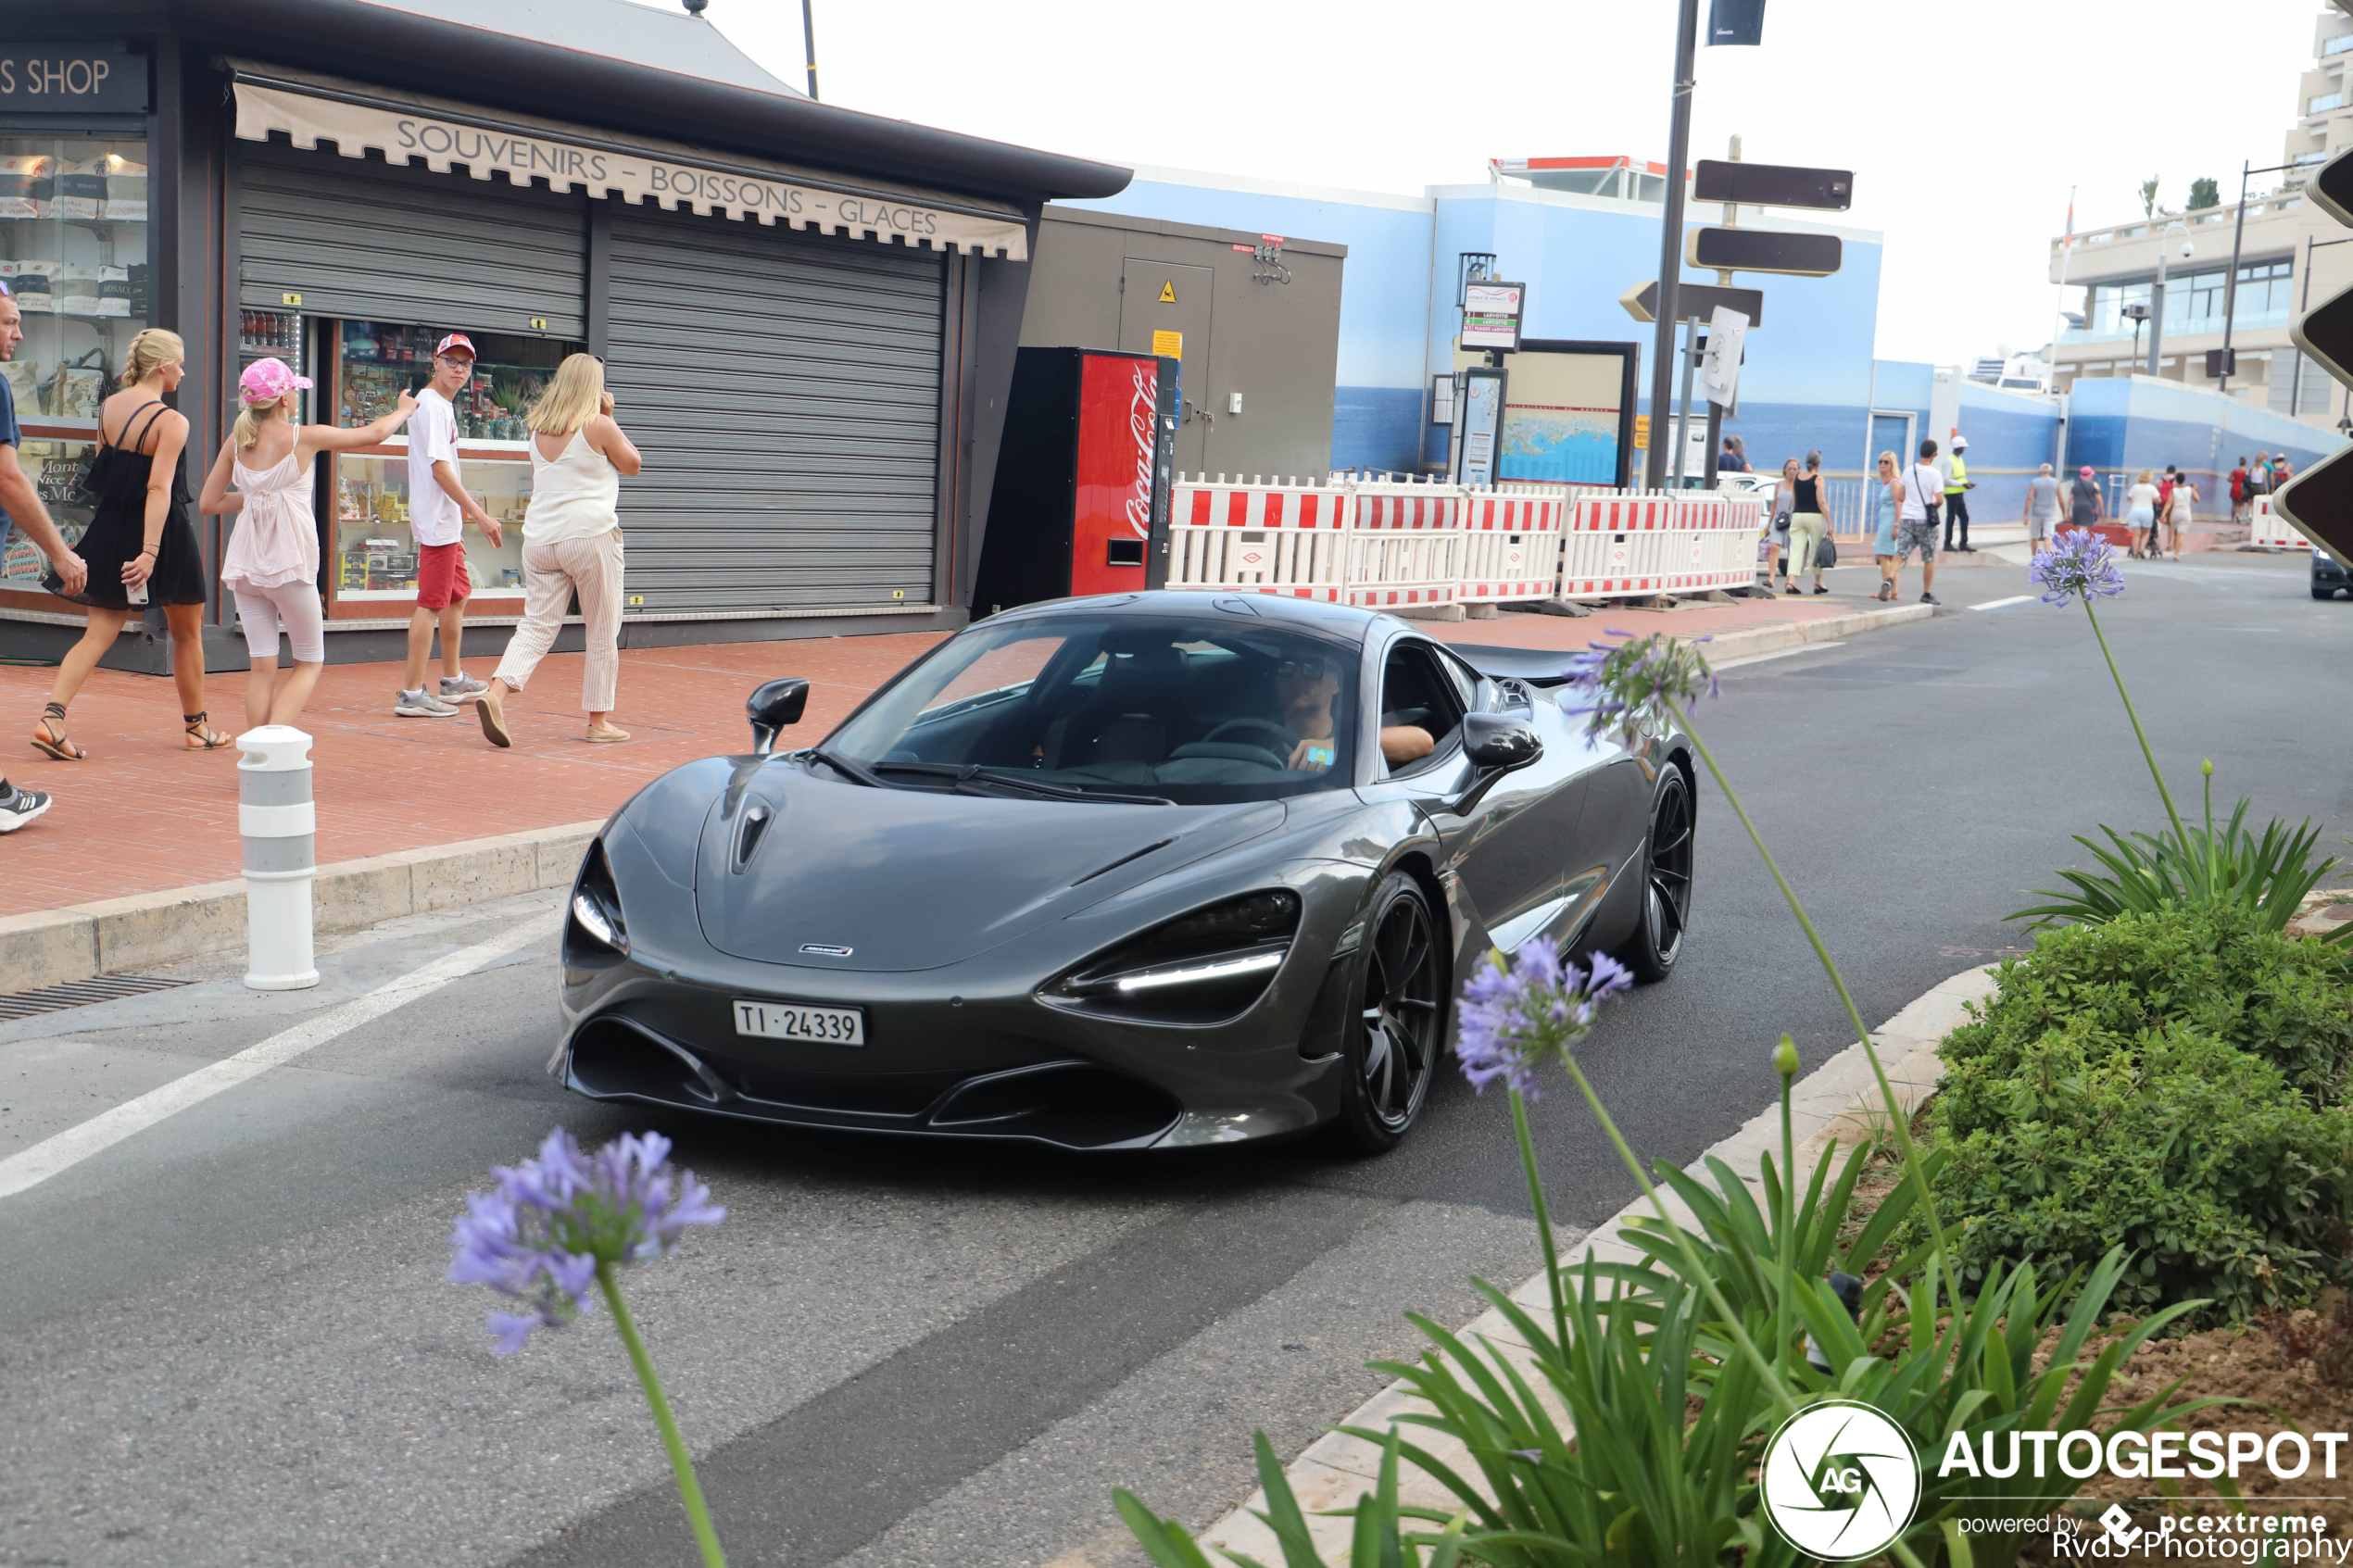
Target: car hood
{"points": [[910, 879]]}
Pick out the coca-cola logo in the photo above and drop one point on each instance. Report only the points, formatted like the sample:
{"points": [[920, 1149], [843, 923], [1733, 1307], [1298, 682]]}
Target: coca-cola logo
{"points": [[1143, 414]]}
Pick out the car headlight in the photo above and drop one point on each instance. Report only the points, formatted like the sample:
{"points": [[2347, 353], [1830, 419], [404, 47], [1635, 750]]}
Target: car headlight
{"points": [[595, 934], [1201, 968]]}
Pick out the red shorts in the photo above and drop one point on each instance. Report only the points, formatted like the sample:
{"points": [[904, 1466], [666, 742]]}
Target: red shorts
{"points": [[441, 575]]}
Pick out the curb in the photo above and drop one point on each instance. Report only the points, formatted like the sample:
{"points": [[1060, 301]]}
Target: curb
{"points": [[55, 947], [1337, 1469], [1829, 629]]}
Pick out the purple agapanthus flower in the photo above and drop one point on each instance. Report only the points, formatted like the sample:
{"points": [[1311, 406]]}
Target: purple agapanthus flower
{"points": [[1516, 1013], [539, 1233], [2080, 565], [1617, 686]]}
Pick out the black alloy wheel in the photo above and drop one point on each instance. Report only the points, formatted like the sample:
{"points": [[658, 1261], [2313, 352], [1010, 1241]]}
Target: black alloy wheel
{"points": [[1401, 1022], [1667, 862]]}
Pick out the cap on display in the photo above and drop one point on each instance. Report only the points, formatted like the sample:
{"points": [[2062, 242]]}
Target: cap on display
{"points": [[455, 342], [266, 381]]}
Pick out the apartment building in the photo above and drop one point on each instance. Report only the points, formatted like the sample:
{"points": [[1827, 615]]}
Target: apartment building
{"points": [[2286, 261]]}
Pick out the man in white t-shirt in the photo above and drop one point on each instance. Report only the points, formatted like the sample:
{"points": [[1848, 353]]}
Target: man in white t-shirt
{"points": [[1915, 524], [439, 509]]}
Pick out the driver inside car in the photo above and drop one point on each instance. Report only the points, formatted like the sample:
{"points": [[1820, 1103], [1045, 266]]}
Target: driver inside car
{"points": [[1305, 687]]}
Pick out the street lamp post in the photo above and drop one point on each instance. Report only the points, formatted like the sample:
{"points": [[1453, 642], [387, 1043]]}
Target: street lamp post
{"points": [[2231, 279], [2156, 300]]}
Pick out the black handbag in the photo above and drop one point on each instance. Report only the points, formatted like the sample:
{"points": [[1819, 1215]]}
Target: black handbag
{"points": [[1825, 553]]}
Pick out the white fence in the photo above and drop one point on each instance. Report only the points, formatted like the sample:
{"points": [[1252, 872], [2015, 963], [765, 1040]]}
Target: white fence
{"points": [[2265, 526], [1398, 542]]}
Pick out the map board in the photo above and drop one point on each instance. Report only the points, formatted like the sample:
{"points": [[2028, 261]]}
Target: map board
{"points": [[1569, 412]]}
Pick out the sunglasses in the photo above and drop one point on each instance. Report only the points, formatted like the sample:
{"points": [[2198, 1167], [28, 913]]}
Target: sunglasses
{"points": [[1301, 669]]}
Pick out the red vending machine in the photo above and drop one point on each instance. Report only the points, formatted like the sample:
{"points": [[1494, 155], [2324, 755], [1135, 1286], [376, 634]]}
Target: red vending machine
{"points": [[1080, 504]]}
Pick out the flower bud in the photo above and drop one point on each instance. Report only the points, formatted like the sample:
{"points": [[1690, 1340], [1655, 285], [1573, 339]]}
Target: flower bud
{"points": [[1785, 1057], [2206, 767]]}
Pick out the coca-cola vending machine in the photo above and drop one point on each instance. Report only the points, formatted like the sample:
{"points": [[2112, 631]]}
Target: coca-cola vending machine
{"points": [[1080, 504]]}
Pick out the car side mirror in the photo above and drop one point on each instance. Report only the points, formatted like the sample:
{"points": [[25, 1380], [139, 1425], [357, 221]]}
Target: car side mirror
{"points": [[1499, 740], [771, 708]]}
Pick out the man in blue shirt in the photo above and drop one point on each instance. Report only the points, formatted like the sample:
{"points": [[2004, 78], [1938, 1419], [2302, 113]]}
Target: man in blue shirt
{"points": [[21, 503], [1733, 458]]}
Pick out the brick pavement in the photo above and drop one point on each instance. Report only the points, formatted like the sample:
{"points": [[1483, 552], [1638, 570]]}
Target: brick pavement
{"points": [[140, 816]]}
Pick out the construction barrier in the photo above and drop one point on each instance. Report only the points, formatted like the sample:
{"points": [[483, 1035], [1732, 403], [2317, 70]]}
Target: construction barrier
{"points": [[1288, 539], [1512, 543], [1625, 545], [2265, 526], [1405, 544]]}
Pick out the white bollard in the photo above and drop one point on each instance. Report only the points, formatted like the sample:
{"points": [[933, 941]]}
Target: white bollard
{"points": [[279, 826]]}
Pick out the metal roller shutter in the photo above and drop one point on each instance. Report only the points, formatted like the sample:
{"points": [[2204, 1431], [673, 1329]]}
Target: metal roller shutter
{"points": [[785, 392], [357, 238]]}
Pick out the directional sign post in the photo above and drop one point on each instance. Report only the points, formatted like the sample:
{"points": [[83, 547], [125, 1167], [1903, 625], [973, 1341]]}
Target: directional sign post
{"points": [[1772, 184], [1695, 299], [1765, 250], [2319, 500]]}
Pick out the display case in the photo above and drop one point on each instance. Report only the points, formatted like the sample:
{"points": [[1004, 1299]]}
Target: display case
{"points": [[56, 468], [373, 558]]}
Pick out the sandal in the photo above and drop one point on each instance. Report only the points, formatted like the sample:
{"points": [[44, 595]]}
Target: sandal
{"points": [[210, 739], [52, 739]]}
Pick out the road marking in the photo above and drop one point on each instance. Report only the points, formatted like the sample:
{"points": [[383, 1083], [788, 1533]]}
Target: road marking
{"points": [[1777, 653], [2005, 604], [28, 1167]]}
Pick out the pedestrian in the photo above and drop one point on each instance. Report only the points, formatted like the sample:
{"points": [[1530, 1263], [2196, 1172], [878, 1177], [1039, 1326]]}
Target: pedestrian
{"points": [[272, 564], [2041, 510], [1957, 484], [1734, 457], [2180, 508], [2259, 478], [2164, 501], [20, 509], [2281, 474], [140, 548], [2140, 512], [2238, 491], [1887, 500], [1916, 518], [571, 544], [2085, 504], [1808, 524], [1784, 507], [439, 509]]}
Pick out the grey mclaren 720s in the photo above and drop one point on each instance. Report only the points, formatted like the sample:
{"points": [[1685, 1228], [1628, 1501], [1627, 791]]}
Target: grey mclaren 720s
{"points": [[1143, 870]]}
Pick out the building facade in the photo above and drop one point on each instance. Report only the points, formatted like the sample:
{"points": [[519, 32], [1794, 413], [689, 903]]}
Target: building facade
{"points": [[808, 315]]}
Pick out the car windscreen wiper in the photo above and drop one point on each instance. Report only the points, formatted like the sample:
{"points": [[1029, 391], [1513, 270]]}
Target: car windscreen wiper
{"points": [[855, 771], [965, 773]]}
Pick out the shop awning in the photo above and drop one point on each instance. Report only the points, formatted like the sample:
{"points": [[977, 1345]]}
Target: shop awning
{"points": [[409, 127]]}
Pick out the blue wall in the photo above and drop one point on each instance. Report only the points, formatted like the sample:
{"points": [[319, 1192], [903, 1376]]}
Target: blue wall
{"points": [[2129, 423], [2006, 429]]}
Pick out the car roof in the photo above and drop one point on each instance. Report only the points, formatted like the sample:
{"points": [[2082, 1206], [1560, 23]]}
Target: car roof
{"points": [[1308, 615]]}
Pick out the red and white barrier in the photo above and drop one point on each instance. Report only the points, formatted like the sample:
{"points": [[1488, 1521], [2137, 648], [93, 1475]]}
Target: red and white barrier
{"points": [[1625, 545], [2265, 526], [1286, 539], [1405, 544], [1512, 543]]}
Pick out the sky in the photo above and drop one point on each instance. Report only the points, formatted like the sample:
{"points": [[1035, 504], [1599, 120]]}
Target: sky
{"points": [[1965, 125]]}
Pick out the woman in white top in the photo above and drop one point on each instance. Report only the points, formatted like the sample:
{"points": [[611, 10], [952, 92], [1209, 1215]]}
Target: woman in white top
{"points": [[571, 544], [2140, 512], [272, 564], [2179, 506]]}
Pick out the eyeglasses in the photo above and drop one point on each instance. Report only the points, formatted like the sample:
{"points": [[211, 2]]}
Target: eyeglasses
{"points": [[1301, 669]]}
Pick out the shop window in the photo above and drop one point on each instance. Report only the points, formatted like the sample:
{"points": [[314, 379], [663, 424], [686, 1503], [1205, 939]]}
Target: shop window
{"points": [[375, 558], [73, 250]]}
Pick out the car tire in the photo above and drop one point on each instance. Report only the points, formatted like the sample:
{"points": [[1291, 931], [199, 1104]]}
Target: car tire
{"points": [[1669, 862], [1396, 1030], [2319, 592]]}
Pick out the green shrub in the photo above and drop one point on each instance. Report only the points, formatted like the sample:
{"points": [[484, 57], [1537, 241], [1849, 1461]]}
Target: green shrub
{"points": [[2168, 1082], [2213, 969]]}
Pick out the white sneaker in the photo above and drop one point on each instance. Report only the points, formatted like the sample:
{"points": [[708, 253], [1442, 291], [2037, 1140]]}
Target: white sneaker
{"points": [[19, 806], [423, 705], [461, 688]]}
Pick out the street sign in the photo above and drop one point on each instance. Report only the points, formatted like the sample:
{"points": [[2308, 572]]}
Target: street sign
{"points": [[2222, 362], [1735, 21], [2319, 500], [1772, 184], [1491, 316], [1719, 367], [1695, 299], [1764, 250]]}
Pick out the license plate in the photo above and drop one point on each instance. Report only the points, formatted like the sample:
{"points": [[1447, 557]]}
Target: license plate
{"points": [[793, 1021]]}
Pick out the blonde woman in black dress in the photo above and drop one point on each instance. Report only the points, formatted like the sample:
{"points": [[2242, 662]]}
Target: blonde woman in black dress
{"points": [[139, 537]]}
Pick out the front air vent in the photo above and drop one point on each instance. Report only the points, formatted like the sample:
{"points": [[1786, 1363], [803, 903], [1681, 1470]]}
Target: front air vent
{"points": [[753, 828]]}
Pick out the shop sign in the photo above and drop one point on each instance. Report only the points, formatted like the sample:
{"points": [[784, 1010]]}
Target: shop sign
{"points": [[640, 175], [73, 78]]}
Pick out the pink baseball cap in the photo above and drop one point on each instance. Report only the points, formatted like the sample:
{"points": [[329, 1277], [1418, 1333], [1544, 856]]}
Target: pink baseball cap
{"points": [[266, 381], [454, 341]]}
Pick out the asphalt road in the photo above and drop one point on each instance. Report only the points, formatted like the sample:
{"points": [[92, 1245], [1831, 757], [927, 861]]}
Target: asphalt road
{"points": [[226, 1338]]}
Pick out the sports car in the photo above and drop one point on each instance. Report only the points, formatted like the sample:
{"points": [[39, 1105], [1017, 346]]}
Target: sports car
{"points": [[1143, 870]]}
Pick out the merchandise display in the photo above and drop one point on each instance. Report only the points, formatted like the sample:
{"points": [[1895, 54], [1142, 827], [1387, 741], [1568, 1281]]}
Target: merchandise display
{"points": [[58, 470], [276, 335], [73, 250], [374, 557], [378, 360]]}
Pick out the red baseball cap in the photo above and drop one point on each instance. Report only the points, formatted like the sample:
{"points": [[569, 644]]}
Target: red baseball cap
{"points": [[454, 342]]}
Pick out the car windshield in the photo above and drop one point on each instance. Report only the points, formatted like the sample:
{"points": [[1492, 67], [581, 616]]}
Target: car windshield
{"points": [[1187, 710]]}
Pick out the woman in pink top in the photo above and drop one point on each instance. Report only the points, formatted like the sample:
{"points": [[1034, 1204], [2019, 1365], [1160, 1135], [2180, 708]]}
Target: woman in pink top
{"points": [[272, 564]]}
